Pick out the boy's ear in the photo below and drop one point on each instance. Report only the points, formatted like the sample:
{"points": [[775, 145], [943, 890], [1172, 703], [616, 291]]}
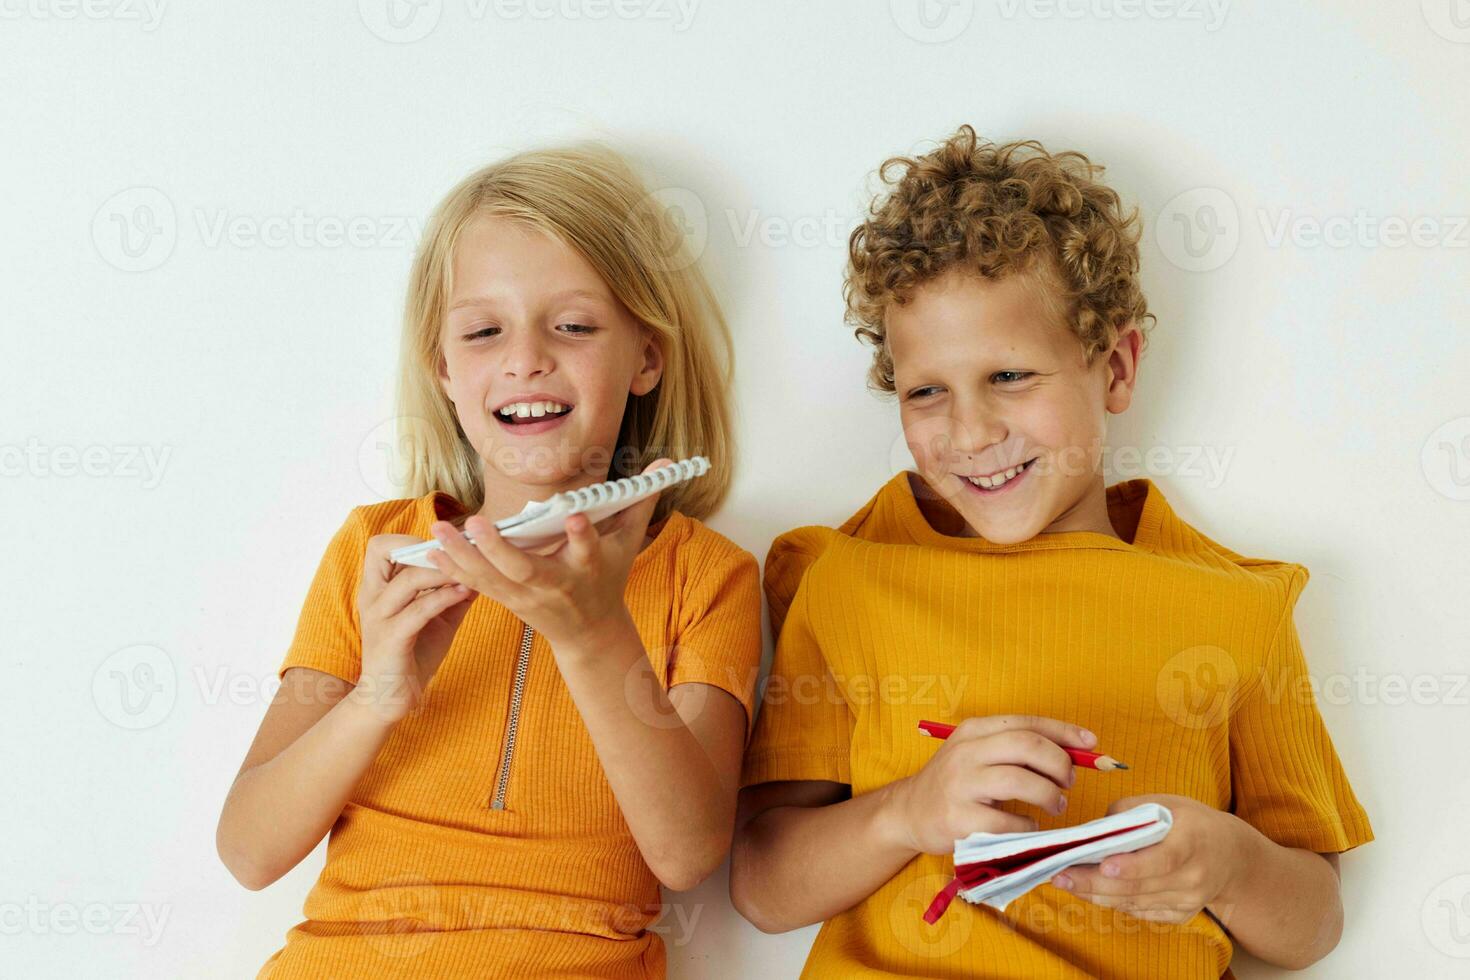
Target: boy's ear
{"points": [[651, 369], [1122, 368]]}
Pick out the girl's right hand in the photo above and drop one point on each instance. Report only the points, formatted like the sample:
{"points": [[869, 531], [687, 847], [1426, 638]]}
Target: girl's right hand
{"points": [[983, 762], [409, 616]]}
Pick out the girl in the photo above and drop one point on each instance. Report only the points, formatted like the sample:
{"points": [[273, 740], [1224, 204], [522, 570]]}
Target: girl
{"points": [[512, 751]]}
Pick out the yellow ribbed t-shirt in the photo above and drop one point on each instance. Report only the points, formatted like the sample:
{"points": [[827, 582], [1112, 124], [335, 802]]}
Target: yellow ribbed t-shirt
{"points": [[1180, 654], [424, 876]]}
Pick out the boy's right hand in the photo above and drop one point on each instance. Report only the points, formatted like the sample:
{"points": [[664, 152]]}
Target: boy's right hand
{"points": [[409, 616], [983, 762]]}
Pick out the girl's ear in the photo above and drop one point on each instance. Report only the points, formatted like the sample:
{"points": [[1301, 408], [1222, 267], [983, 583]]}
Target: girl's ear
{"points": [[442, 373], [651, 369]]}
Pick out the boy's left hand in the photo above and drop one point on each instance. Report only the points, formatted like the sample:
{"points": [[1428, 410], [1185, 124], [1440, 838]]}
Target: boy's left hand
{"points": [[567, 594], [1173, 880]]}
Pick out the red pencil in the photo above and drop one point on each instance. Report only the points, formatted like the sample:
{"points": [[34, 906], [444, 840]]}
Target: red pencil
{"points": [[1082, 757]]}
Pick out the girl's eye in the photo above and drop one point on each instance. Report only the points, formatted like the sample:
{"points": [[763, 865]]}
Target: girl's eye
{"points": [[580, 329], [1010, 377], [482, 332]]}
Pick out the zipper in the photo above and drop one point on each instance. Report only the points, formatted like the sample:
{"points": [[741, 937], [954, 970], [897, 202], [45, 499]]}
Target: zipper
{"points": [[513, 720]]}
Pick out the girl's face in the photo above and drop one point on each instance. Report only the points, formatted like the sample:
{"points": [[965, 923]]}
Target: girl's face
{"points": [[539, 357]]}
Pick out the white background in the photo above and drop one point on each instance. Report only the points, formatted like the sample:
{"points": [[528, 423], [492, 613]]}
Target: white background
{"points": [[154, 311]]}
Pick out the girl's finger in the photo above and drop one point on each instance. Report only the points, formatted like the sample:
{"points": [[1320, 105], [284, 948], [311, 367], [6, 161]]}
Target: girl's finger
{"points": [[513, 563], [583, 542], [416, 615], [377, 569], [405, 586]]}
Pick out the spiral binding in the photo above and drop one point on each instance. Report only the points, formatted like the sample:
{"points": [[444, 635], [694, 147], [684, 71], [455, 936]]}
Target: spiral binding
{"points": [[616, 491], [570, 502]]}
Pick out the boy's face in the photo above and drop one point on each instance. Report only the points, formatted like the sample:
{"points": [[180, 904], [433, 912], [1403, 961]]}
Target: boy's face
{"points": [[1004, 417]]}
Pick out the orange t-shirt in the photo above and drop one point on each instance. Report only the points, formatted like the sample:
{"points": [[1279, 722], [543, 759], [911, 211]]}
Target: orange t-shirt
{"points": [[1179, 653], [458, 856]]}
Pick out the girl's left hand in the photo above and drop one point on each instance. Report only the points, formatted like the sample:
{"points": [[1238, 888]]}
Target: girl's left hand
{"points": [[566, 595], [1173, 880]]}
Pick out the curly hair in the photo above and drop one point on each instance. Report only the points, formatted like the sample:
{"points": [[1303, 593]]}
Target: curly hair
{"points": [[997, 211]]}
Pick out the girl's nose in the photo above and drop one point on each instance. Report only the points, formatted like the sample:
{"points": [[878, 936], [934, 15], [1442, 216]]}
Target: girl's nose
{"points": [[526, 356]]}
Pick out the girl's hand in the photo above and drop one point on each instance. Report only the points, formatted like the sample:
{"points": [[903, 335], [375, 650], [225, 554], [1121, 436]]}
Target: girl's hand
{"points": [[409, 616], [984, 761], [1173, 880], [566, 595]]}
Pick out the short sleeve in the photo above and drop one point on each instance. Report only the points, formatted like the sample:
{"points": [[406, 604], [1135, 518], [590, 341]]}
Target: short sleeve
{"points": [[804, 726], [328, 632], [1286, 779], [719, 641]]}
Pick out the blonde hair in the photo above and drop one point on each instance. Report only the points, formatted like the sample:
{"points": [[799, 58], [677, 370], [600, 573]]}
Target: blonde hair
{"points": [[589, 198]]}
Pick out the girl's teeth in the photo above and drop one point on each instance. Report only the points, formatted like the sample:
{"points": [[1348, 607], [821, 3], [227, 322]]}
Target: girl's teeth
{"points": [[532, 409]]}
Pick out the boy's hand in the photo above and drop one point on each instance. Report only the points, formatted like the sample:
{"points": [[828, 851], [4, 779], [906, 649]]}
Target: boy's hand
{"points": [[1173, 880], [566, 595], [984, 762]]}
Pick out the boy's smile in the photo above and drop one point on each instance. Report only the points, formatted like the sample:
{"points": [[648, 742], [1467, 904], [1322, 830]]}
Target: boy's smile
{"points": [[1003, 415]]}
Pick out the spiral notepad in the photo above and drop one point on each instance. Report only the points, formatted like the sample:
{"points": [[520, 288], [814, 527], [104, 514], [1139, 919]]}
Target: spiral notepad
{"points": [[544, 521], [997, 869]]}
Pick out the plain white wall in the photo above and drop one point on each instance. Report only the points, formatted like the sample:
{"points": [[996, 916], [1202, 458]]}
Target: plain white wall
{"points": [[197, 367]]}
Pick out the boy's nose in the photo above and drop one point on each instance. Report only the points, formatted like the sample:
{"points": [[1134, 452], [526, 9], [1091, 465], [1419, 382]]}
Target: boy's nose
{"points": [[978, 433]]}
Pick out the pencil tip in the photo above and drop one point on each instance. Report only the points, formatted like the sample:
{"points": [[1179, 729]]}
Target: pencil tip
{"points": [[1121, 765]]}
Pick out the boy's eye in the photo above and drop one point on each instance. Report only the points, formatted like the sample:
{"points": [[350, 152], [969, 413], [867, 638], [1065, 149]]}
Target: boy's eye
{"points": [[923, 392], [1010, 377]]}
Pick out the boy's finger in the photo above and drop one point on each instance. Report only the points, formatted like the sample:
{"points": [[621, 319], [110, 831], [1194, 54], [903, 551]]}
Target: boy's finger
{"points": [[1061, 732], [996, 783], [1023, 747]]}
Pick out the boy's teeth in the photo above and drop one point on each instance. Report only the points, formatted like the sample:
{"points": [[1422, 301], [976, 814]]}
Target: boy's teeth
{"points": [[996, 479]]}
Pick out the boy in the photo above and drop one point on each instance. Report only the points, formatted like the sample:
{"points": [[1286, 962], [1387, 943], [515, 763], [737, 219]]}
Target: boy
{"points": [[1004, 587]]}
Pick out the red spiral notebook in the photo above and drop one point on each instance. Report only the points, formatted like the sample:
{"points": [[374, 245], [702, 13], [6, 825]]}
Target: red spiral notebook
{"points": [[997, 869]]}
